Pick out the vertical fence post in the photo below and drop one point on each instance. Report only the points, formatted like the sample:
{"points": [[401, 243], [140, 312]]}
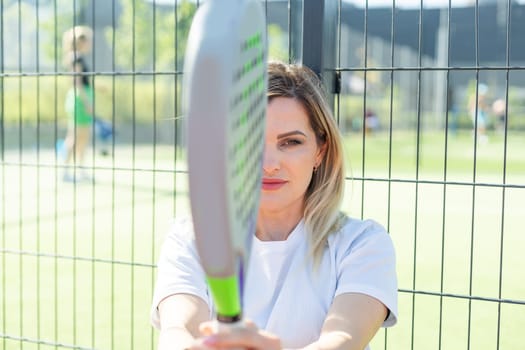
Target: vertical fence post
{"points": [[2, 81], [315, 32]]}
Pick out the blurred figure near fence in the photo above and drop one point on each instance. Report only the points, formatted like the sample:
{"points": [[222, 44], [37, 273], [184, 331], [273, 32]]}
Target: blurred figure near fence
{"points": [[371, 121], [499, 108], [479, 111], [452, 108], [79, 108], [77, 43]]}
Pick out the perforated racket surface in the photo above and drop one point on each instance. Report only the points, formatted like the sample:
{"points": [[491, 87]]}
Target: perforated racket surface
{"points": [[225, 106]]}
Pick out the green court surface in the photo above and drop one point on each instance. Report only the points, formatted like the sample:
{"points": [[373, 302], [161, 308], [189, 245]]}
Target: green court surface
{"points": [[78, 261]]}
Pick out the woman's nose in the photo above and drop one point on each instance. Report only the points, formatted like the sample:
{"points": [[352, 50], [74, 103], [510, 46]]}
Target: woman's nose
{"points": [[270, 160]]}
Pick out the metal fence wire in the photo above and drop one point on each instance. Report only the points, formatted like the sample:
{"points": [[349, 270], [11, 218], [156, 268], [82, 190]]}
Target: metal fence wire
{"points": [[430, 99]]}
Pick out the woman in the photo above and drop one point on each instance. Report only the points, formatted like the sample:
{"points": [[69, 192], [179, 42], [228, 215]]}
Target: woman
{"points": [[79, 107], [316, 278], [77, 44]]}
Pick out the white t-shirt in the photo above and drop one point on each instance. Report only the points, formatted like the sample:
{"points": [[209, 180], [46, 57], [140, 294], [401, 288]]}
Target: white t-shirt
{"points": [[282, 293]]}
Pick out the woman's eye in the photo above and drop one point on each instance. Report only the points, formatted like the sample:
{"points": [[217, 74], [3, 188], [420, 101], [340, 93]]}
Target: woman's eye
{"points": [[291, 143]]}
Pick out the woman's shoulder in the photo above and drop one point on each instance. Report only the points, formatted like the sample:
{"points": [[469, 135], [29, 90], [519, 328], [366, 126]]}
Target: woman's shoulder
{"points": [[350, 226], [181, 227], [355, 232]]}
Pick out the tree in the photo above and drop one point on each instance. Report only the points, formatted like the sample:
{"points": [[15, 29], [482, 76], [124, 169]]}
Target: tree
{"points": [[277, 43], [150, 36], [66, 14]]}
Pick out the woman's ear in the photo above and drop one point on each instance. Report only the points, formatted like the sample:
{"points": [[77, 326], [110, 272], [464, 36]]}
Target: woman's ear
{"points": [[320, 155]]}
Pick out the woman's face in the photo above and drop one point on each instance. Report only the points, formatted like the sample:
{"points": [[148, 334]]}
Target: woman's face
{"points": [[83, 45], [290, 154]]}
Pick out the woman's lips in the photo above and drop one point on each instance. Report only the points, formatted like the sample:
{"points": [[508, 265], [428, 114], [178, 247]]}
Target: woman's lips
{"points": [[272, 184]]}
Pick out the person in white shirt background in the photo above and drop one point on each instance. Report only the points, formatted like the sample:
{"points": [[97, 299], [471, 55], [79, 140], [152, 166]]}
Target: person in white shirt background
{"points": [[317, 279]]}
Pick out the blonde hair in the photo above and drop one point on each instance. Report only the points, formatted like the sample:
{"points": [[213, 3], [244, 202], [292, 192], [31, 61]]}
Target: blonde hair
{"points": [[322, 215], [72, 39]]}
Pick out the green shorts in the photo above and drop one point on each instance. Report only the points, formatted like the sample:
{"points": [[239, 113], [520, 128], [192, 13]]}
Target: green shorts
{"points": [[75, 108]]}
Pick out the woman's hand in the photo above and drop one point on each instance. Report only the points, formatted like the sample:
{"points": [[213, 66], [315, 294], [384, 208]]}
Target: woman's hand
{"points": [[244, 337]]}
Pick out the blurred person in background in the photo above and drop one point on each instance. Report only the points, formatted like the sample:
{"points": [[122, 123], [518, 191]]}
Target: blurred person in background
{"points": [[499, 108], [479, 109], [77, 44]]}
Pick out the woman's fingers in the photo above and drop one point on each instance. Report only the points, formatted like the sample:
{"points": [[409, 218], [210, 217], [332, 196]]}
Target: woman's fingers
{"points": [[207, 328], [250, 324], [210, 327], [199, 346], [243, 337]]}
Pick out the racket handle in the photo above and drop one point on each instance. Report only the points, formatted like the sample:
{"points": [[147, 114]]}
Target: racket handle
{"points": [[226, 327]]}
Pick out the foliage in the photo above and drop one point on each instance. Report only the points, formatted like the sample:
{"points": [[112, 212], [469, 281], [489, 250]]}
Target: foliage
{"points": [[277, 43], [351, 109], [65, 16], [42, 99], [140, 101], [163, 96], [151, 36], [33, 98], [19, 22]]}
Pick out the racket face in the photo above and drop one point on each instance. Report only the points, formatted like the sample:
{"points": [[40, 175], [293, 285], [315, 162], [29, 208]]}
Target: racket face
{"points": [[225, 107]]}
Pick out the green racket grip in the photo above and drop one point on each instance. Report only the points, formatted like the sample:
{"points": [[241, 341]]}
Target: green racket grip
{"points": [[225, 292]]}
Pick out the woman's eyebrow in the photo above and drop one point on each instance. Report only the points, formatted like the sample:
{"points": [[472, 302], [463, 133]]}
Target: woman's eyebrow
{"points": [[291, 133]]}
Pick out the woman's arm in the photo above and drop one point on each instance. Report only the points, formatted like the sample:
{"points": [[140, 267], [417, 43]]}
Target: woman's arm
{"points": [[180, 317], [351, 323]]}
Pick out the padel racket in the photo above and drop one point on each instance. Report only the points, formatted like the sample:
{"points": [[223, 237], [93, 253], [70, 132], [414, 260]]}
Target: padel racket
{"points": [[225, 108]]}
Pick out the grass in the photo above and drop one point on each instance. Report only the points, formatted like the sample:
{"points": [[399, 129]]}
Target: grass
{"points": [[78, 260], [458, 239]]}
